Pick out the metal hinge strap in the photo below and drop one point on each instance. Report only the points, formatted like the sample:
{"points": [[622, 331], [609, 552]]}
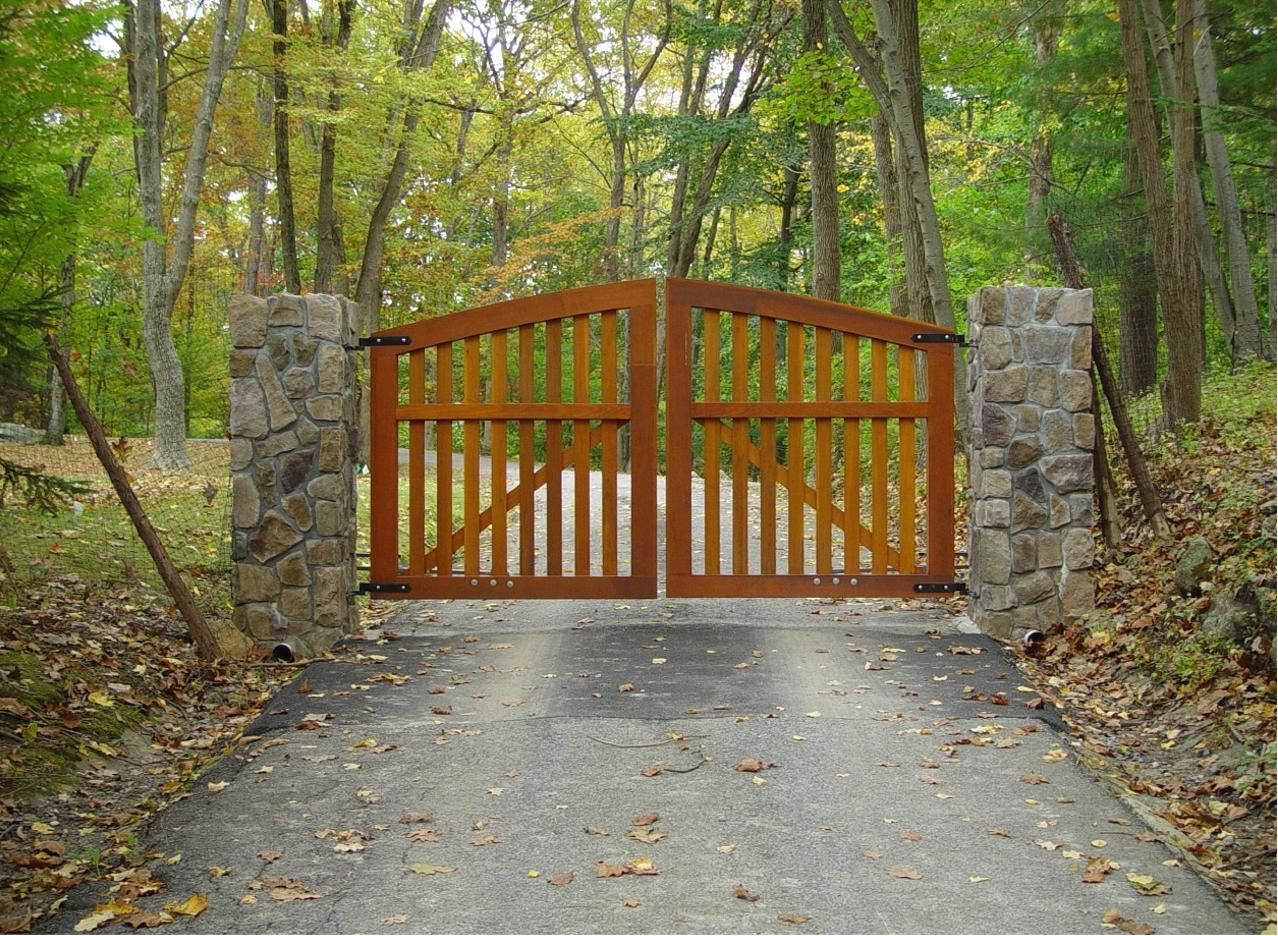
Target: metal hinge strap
{"points": [[948, 588], [940, 338], [378, 341], [377, 587]]}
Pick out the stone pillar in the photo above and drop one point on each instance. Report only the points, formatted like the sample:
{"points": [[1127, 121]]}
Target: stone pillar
{"points": [[293, 443], [1031, 544]]}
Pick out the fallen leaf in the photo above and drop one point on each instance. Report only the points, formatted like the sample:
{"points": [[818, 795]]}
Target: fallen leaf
{"points": [[146, 918], [630, 902], [911, 836], [103, 914], [219, 786], [479, 841], [753, 765], [904, 872], [1147, 885], [395, 919], [429, 869], [606, 869], [652, 771], [268, 856], [726, 849], [977, 879], [424, 835], [872, 853], [1034, 778], [739, 891], [646, 819], [647, 836], [559, 880], [798, 919], [442, 709], [595, 830], [626, 687], [1054, 755], [193, 906]]}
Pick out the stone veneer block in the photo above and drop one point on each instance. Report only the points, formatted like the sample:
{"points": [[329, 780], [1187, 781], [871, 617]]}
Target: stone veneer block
{"points": [[293, 438], [1032, 431]]}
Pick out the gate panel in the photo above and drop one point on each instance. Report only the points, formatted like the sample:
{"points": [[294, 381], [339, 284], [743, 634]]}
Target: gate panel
{"points": [[450, 378], [823, 496]]}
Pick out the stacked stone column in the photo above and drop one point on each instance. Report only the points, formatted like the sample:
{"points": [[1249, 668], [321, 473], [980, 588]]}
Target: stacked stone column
{"points": [[1032, 477], [293, 446]]}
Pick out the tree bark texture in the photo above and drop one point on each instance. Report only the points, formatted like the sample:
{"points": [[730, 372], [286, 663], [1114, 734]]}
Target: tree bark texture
{"points": [[283, 171], [1174, 270], [1249, 339], [824, 173], [889, 194], [1169, 67], [1138, 297], [328, 240]]}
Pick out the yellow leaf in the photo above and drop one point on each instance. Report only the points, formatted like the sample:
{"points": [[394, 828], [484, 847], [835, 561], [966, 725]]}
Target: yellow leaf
{"points": [[977, 879], [43, 828], [430, 869], [193, 906], [534, 873], [101, 698], [104, 913]]}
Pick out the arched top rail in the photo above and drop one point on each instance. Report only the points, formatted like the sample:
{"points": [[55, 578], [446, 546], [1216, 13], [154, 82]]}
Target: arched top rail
{"points": [[822, 313], [501, 316]]}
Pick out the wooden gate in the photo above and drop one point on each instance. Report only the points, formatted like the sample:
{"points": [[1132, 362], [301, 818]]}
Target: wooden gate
{"points": [[538, 381], [846, 488]]}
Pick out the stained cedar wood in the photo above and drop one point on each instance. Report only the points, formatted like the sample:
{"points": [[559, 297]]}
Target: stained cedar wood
{"points": [[940, 467], [680, 294], [710, 367], [643, 445], [416, 466], [383, 466], [444, 460], [538, 479], [794, 446], [497, 463], [608, 394], [740, 439], [581, 446], [767, 449], [678, 438], [527, 447], [554, 447], [822, 352], [470, 457], [905, 374], [878, 461], [852, 456]]}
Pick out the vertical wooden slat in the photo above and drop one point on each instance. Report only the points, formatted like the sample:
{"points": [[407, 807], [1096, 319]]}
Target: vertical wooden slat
{"points": [[740, 447], [498, 455], [878, 463], [678, 442], [851, 457], [823, 350], [554, 450], [581, 446], [527, 450], [416, 466], [767, 448], [710, 366], [643, 442], [444, 463], [608, 394], [905, 429], [383, 457], [470, 458], [794, 448], [940, 462]]}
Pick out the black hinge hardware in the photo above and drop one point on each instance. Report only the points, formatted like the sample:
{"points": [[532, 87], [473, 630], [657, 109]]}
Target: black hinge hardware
{"points": [[379, 587], [378, 341], [948, 588], [940, 338]]}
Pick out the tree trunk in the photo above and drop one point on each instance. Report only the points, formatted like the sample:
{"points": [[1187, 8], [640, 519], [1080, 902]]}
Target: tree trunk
{"points": [[1249, 340], [328, 238], [283, 172], [368, 292], [1046, 34], [822, 160], [789, 197], [1210, 268], [889, 194], [1174, 270], [257, 237], [501, 193], [1138, 298]]}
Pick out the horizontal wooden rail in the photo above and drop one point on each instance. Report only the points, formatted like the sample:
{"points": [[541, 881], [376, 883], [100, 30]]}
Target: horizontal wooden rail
{"points": [[835, 409], [512, 412]]}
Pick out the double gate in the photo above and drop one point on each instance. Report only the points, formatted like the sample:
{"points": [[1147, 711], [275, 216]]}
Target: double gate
{"points": [[809, 448]]}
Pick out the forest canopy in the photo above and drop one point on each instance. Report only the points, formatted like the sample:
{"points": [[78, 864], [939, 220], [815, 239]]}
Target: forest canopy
{"points": [[426, 157]]}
